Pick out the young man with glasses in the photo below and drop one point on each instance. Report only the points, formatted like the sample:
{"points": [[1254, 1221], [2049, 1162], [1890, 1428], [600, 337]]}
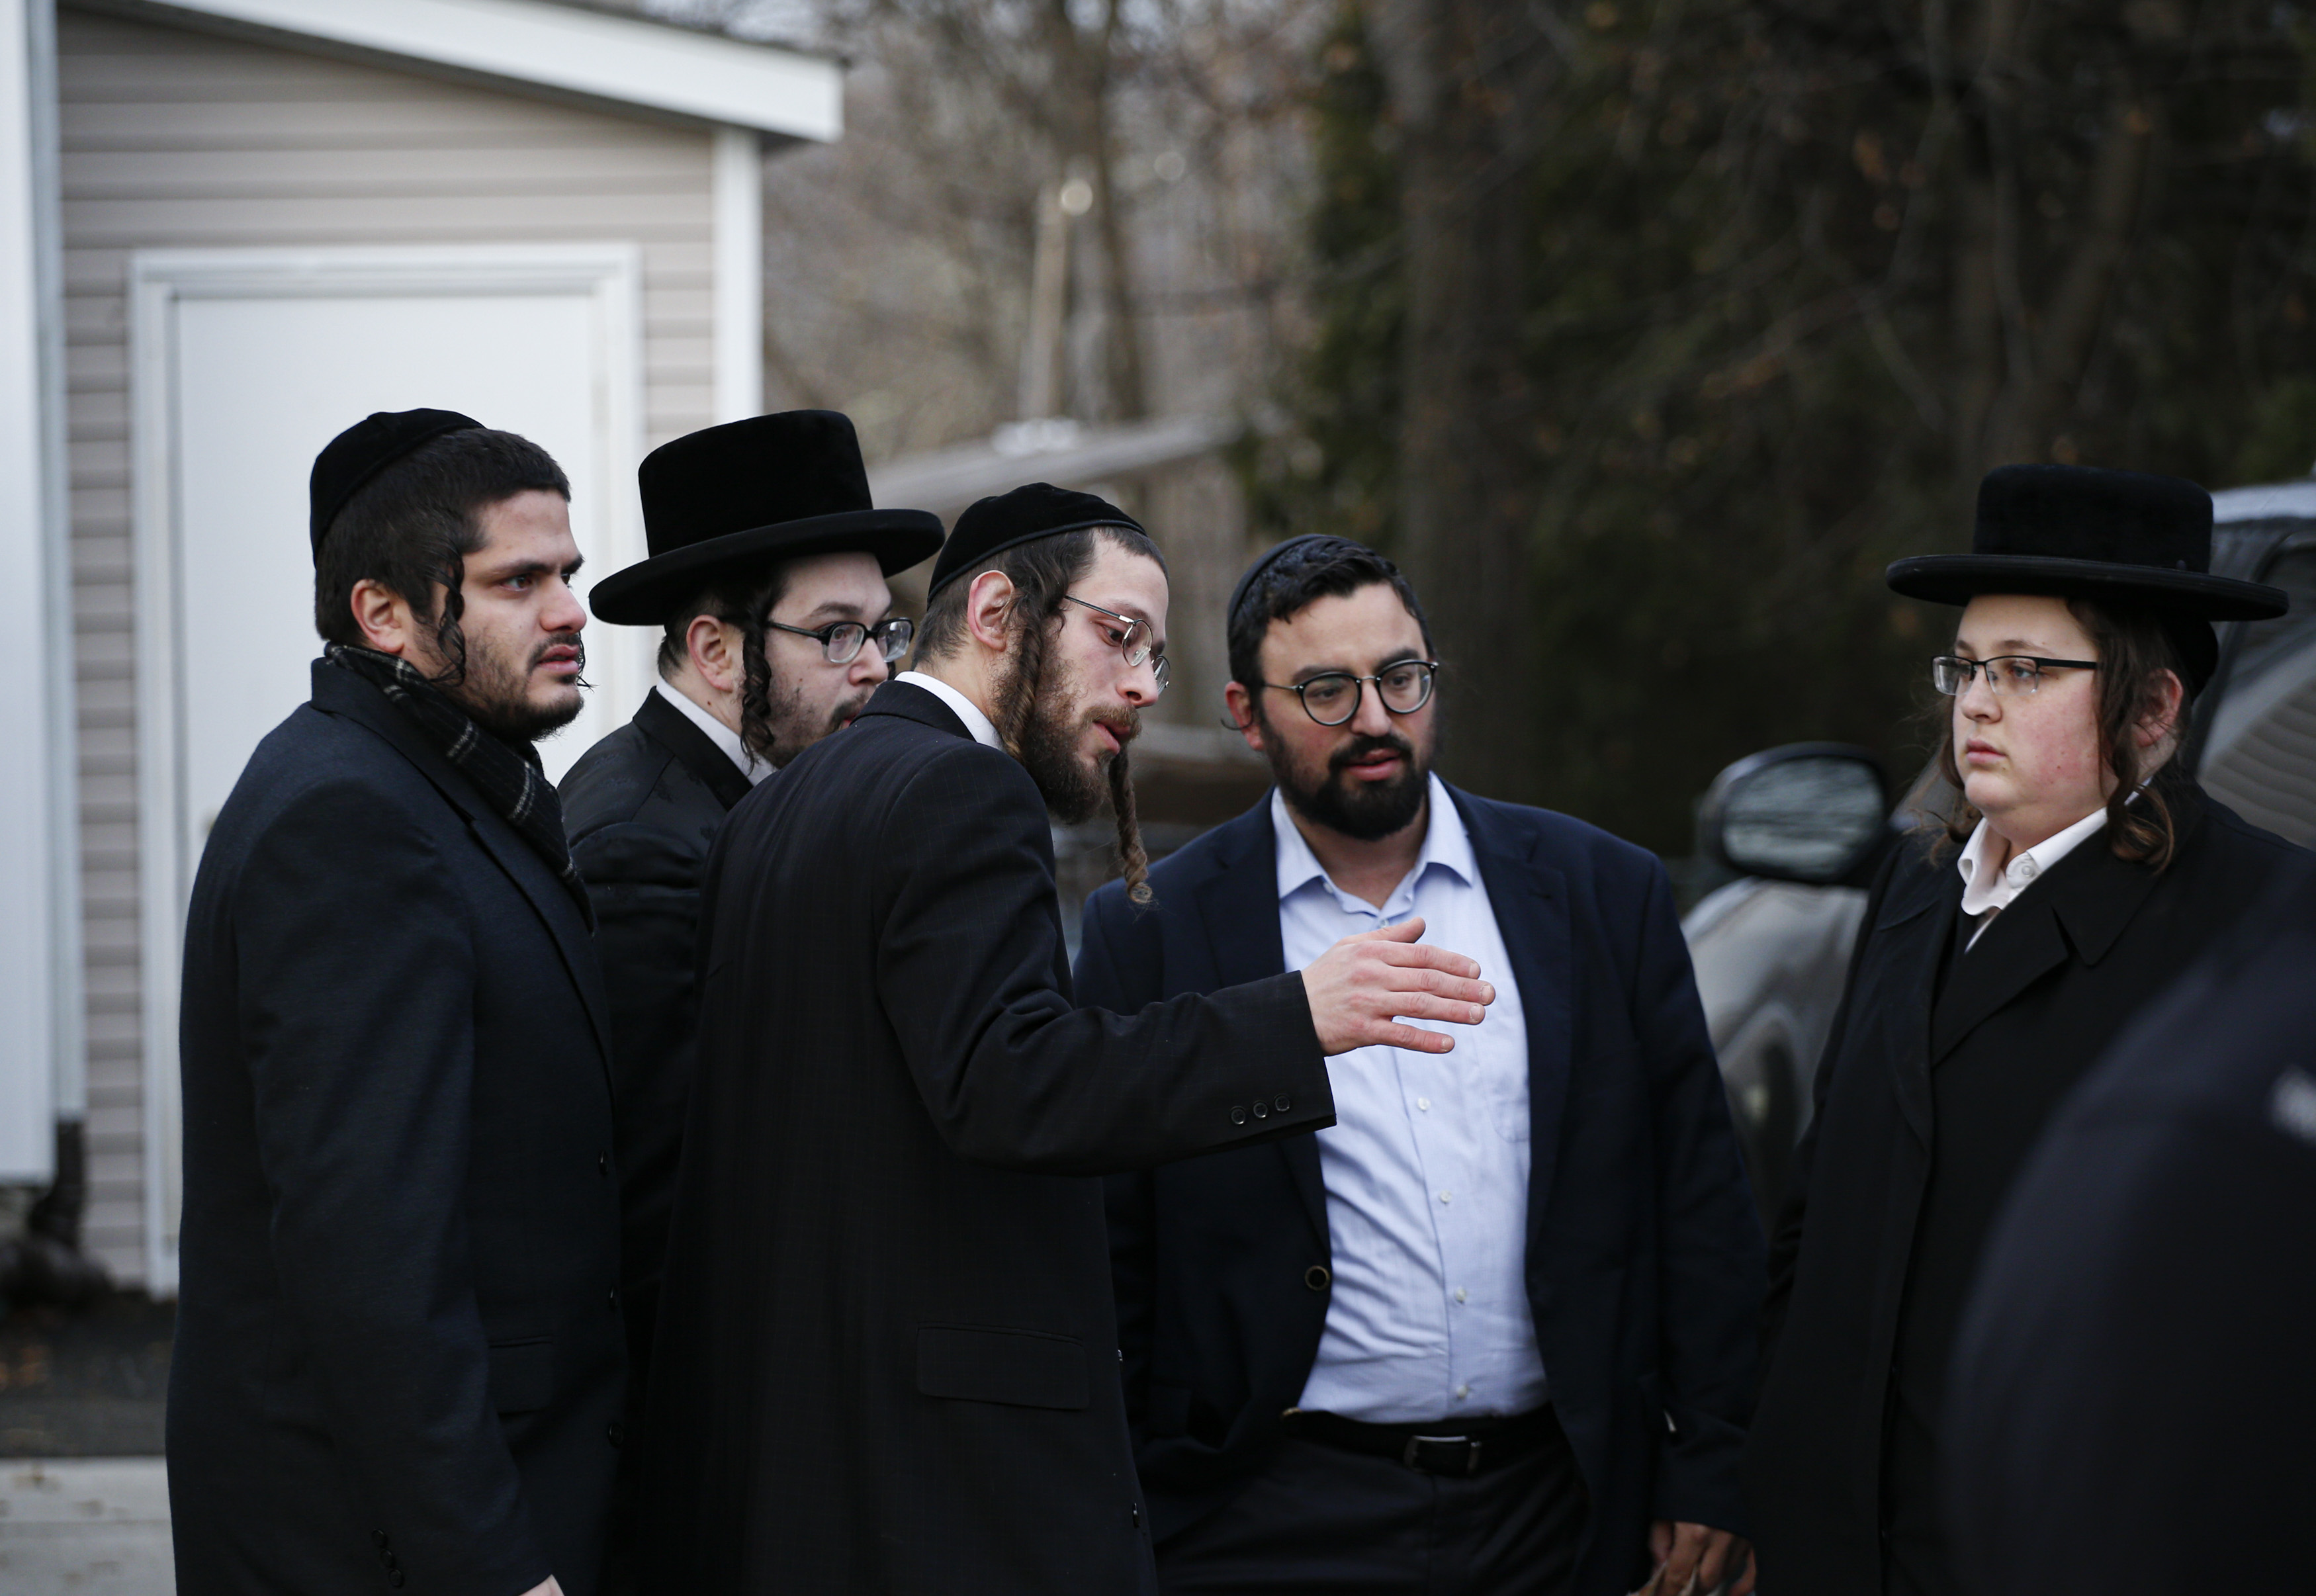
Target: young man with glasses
{"points": [[766, 579], [1492, 1331], [888, 1361], [2091, 870]]}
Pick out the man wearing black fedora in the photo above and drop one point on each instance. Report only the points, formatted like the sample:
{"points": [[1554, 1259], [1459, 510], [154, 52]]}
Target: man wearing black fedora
{"points": [[887, 1359], [2078, 871], [399, 1358], [766, 582]]}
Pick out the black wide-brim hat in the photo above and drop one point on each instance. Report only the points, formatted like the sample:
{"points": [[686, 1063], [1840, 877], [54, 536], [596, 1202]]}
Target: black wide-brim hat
{"points": [[2071, 532], [748, 496]]}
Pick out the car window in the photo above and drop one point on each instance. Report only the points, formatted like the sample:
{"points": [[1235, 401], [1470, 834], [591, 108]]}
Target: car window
{"points": [[2259, 758]]}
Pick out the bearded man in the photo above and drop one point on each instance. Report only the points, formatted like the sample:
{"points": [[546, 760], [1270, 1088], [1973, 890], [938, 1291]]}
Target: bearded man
{"points": [[1490, 1331], [767, 580], [394, 1363], [886, 1359]]}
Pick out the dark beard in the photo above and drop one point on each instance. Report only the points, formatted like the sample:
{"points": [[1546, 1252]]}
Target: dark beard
{"points": [[790, 729], [1048, 743], [1366, 811], [492, 691]]}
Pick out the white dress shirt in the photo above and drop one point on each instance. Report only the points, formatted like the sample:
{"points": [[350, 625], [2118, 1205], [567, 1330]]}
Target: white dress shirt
{"points": [[1426, 1167], [1985, 889], [984, 731], [722, 735]]}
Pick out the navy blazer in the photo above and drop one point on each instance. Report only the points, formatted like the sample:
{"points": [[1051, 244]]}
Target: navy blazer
{"points": [[1644, 1258], [398, 1362]]}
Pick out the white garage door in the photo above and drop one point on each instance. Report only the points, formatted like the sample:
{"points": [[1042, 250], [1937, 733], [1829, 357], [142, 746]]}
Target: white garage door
{"points": [[247, 362]]}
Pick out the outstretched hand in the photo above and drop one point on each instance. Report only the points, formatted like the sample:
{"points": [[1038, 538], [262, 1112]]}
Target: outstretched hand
{"points": [[1361, 989]]}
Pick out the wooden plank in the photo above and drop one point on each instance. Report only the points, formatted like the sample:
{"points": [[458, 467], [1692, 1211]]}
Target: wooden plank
{"points": [[604, 169]]}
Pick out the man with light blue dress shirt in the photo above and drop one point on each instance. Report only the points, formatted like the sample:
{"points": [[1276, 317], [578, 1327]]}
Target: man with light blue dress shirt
{"points": [[1491, 1332]]}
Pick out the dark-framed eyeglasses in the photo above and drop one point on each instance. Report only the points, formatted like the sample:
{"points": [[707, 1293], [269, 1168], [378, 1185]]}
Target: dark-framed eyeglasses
{"points": [[1130, 638], [841, 641], [1332, 697], [2008, 675]]}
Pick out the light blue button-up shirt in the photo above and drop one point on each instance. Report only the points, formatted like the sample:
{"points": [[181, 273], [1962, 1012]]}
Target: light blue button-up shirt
{"points": [[1426, 1166]]}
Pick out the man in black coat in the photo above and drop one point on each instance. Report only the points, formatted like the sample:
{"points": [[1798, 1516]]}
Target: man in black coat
{"points": [[1497, 1325], [766, 578], [2133, 1389], [887, 1355], [399, 1361], [1985, 985]]}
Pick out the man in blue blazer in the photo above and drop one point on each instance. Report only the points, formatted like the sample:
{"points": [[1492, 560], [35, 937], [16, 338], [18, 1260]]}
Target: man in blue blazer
{"points": [[1492, 1331]]}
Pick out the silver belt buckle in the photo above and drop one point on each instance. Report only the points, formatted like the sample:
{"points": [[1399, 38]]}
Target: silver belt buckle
{"points": [[1471, 1455]]}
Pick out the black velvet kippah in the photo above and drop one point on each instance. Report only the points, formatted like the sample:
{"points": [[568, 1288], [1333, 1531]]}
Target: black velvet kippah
{"points": [[1309, 543], [1040, 510], [367, 447]]}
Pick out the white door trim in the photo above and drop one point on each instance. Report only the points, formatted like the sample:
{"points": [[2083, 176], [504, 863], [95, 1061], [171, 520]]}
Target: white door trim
{"points": [[159, 281]]}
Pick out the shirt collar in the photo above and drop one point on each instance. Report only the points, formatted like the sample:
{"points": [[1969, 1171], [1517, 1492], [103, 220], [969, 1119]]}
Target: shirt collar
{"points": [[984, 730], [722, 735], [1446, 843], [1984, 888]]}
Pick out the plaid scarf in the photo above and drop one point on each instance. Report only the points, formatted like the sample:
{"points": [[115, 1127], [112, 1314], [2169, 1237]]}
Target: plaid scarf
{"points": [[509, 779]]}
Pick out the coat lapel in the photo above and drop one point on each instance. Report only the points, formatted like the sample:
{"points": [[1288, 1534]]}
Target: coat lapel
{"points": [[2076, 911], [1915, 921], [1529, 900], [1238, 912], [672, 730], [340, 693]]}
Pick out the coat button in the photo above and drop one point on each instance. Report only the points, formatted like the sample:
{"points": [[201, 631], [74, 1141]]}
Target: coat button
{"points": [[380, 1537], [603, 1165], [1136, 1513], [1280, 1102], [393, 1578], [1263, 1111], [614, 1434], [1317, 1278], [1238, 1115], [614, 1299]]}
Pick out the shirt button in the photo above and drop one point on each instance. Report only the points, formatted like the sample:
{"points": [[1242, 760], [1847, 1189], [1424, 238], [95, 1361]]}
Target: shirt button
{"points": [[1424, 1104], [2026, 868], [1461, 1296], [1446, 1196], [1462, 1392]]}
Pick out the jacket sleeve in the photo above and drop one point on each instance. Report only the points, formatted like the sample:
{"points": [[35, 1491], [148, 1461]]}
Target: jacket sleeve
{"points": [[1709, 1239], [1117, 970], [1786, 1242], [971, 976], [356, 994]]}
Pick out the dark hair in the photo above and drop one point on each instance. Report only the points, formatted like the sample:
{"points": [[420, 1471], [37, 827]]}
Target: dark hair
{"points": [[1041, 571], [2134, 646], [411, 528], [1334, 568], [736, 602]]}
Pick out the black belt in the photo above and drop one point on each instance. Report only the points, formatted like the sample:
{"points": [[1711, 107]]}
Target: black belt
{"points": [[1458, 1449]]}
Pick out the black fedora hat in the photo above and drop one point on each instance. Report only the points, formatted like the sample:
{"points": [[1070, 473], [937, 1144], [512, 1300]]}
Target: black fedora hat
{"points": [[2071, 532], [749, 494]]}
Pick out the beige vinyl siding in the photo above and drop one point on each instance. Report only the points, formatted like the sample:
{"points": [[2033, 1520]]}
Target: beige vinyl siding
{"points": [[177, 140]]}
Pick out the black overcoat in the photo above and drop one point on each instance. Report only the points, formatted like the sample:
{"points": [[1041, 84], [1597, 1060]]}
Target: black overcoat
{"points": [[2133, 1390], [642, 807], [1940, 1072], [887, 1357], [398, 1359], [1643, 1254]]}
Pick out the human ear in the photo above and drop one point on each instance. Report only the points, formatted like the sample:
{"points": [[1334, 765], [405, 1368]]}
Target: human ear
{"points": [[1240, 703], [714, 646], [988, 603], [386, 619], [2159, 718]]}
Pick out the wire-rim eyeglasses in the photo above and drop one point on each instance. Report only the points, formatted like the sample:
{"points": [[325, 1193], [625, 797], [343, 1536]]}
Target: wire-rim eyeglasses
{"points": [[841, 641]]}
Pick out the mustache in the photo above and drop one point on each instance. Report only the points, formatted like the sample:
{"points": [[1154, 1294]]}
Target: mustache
{"points": [[1358, 748], [572, 641], [1125, 723]]}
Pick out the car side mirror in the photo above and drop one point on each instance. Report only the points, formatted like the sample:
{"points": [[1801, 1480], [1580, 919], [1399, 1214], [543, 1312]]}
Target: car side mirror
{"points": [[1807, 812]]}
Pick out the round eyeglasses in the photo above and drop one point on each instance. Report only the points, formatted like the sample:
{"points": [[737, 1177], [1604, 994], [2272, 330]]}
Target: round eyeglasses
{"points": [[840, 642], [1332, 697], [1130, 638], [2008, 675]]}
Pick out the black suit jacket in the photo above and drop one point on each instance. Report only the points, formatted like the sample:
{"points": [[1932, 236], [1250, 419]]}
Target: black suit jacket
{"points": [[642, 807], [2134, 1390], [1643, 1254], [887, 1359], [398, 1362], [1929, 1098]]}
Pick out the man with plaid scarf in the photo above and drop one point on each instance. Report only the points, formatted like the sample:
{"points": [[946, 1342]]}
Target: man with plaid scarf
{"points": [[398, 1357]]}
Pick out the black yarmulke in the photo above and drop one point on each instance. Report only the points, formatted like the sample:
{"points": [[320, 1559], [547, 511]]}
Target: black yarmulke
{"points": [[1040, 510], [367, 447], [1308, 543]]}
